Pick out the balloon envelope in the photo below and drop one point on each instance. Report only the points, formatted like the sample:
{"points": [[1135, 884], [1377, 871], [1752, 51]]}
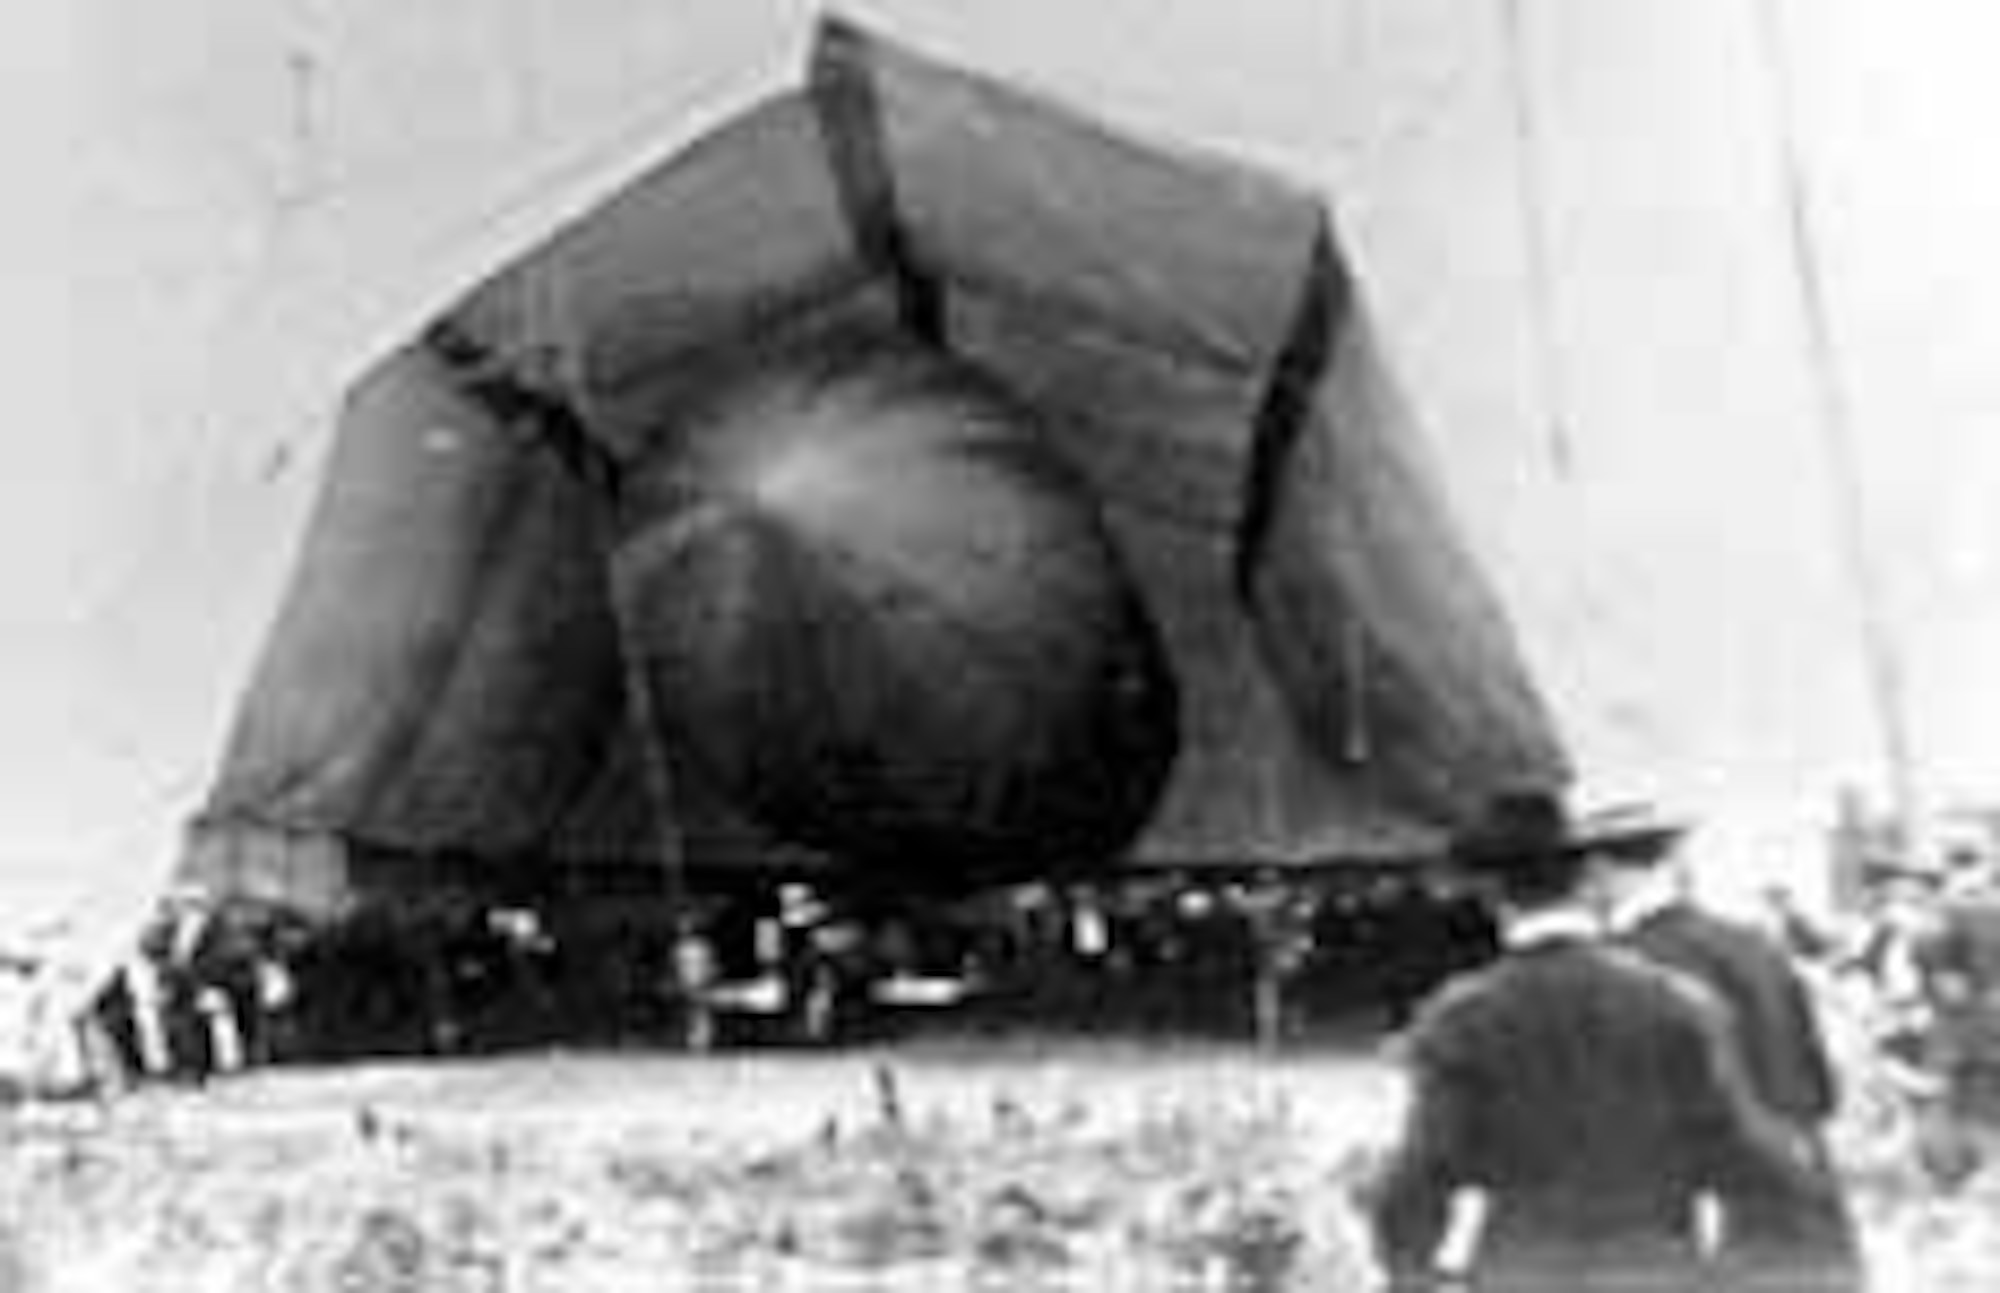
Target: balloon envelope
{"points": [[875, 610]]}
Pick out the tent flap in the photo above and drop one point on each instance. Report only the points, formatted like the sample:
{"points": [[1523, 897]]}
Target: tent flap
{"points": [[444, 667]]}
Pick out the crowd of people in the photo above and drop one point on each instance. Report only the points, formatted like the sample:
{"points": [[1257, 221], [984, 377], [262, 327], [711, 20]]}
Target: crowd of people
{"points": [[1921, 971], [213, 987], [1611, 1086]]}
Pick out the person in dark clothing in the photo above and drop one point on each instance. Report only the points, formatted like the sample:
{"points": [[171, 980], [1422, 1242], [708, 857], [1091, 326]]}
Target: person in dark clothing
{"points": [[1646, 904], [1591, 1098], [116, 1009], [1959, 965], [1644, 897]]}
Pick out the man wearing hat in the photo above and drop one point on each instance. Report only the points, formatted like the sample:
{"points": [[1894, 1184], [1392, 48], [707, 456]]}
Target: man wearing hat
{"points": [[1590, 1097], [1643, 895], [1647, 907]]}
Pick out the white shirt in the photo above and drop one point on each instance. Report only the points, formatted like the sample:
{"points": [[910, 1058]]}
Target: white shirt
{"points": [[1549, 925]]}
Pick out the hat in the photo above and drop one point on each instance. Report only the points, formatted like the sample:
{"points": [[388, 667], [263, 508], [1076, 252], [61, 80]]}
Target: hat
{"points": [[1524, 827], [1888, 867], [1631, 832]]}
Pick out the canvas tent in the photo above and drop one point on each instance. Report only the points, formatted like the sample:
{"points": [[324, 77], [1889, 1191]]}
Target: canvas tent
{"points": [[447, 672], [258, 202]]}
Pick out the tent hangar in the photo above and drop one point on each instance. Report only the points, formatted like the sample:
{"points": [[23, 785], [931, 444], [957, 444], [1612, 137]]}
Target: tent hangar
{"points": [[465, 662], [238, 224]]}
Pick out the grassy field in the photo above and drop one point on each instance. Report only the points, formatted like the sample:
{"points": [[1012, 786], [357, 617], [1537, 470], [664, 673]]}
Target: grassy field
{"points": [[994, 1166]]}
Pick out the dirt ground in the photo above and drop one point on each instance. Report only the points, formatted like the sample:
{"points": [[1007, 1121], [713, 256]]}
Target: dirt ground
{"points": [[990, 1165]]}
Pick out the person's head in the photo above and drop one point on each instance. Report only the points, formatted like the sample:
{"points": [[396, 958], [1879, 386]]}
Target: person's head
{"points": [[1543, 881], [1902, 889], [1630, 858], [1968, 870], [1520, 851]]}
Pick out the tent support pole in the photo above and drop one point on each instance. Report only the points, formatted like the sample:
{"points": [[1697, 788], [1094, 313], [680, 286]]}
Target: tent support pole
{"points": [[1537, 240], [1881, 656]]}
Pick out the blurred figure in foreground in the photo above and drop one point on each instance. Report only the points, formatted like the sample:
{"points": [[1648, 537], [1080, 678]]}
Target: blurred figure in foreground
{"points": [[1645, 897], [1584, 1104]]}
